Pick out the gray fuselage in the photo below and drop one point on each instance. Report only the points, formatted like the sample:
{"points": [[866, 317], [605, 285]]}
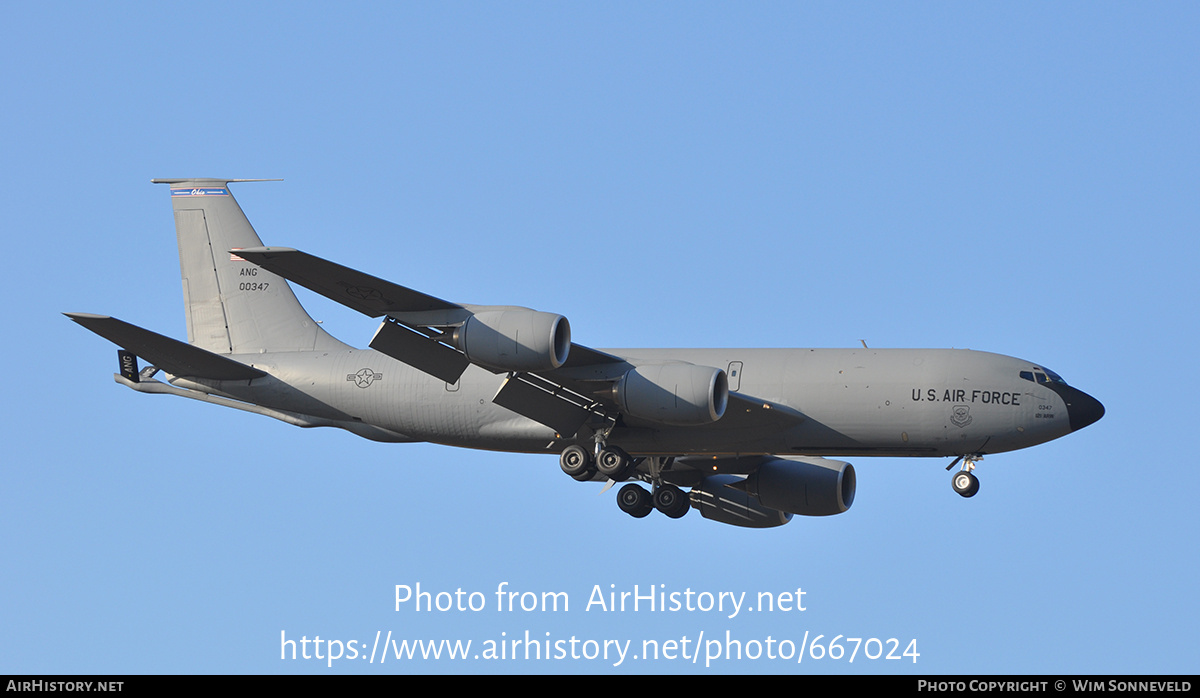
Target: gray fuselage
{"points": [[854, 402]]}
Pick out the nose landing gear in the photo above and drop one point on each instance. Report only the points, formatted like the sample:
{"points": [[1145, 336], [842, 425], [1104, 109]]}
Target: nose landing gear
{"points": [[964, 481]]}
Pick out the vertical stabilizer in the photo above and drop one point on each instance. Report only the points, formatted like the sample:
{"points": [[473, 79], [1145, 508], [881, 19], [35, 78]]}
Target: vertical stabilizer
{"points": [[233, 306]]}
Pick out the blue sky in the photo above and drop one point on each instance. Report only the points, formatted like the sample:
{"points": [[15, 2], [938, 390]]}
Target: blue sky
{"points": [[1013, 178]]}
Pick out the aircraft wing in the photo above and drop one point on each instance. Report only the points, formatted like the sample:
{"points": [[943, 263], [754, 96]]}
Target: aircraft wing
{"points": [[748, 412], [367, 294], [373, 296], [171, 355], [423, 332]]}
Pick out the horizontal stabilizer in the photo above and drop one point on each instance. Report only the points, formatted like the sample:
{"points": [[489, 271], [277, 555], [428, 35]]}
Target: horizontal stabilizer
{"points": [[367, 294], [171, 355]]}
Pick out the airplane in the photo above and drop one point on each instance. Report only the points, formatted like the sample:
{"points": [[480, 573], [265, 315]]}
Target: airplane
{"points": [[751, 434]]}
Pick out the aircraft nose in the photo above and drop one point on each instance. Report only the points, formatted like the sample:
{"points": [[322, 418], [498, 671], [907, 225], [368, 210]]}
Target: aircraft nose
{"points": [[1082, 409]]}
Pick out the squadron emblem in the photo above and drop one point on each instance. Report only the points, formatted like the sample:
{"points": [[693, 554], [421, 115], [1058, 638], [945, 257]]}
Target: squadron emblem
{"points": [[960, 415]]}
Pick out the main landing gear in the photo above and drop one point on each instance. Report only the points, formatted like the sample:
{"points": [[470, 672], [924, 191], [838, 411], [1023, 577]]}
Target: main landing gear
{"points": [[610, 461], [615, 464], [635, 501], [668, 499], [964, 481], [577, 463]]}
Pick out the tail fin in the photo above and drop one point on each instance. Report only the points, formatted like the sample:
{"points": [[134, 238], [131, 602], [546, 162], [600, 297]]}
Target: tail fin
{"points": [[233, 307]]}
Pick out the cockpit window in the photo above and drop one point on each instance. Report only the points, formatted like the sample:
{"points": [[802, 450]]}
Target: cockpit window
{"points": [[1054, 377], [1042, 375]]}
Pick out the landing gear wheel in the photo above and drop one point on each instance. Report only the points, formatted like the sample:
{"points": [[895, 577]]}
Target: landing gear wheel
{"points": [[576, 462], [671, 501], [635, 501], [587, 475], [965, 483], [613, 463]]}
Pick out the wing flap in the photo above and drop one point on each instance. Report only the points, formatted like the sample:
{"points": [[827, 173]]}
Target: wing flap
{"points": [[543, 402], [419, 351], [171, 355], [555, 398]]}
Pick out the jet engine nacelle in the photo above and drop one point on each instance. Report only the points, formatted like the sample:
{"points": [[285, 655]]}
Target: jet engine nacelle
{"points": [[680, 394], [515, 340], [806, 486], [733, 506]]}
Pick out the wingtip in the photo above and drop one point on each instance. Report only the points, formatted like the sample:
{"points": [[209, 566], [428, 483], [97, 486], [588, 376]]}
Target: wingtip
{"points": [[86, 316]]}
